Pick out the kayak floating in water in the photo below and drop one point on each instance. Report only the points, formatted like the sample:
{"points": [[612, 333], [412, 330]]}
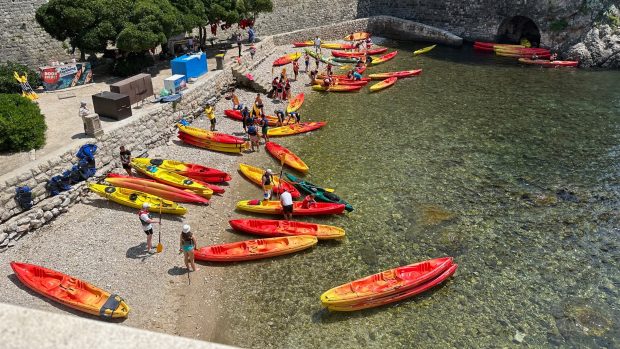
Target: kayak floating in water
{"points": [[337, 88], [384, 58], [549, 64], [423, 50], [320, 194], [286, 156], [272, 227], [294, 129], [295, 103], [398, 74], [383, 84], [255, 249]]}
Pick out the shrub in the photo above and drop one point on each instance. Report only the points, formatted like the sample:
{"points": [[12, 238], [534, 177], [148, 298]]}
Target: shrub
{"points": [[22, 126], [132, 64], [8, 84], [558, 25]]}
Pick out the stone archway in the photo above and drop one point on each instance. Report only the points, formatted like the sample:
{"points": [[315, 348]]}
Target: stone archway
{"points": [[513, 29]]}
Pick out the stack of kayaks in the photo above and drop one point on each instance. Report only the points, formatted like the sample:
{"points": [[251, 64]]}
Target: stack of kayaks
{"points": [[135, 199], [345, 82], [70, 291], [286, 156], [274, 228], [255, 249], [384, 58], [294, 129], [383, 84], [286, 59], [275, 208], [522, 52], [389, 286], [548, 64], [173, 179], [337, 46], [211, 140], [195, 171], [397, 74], [255, 175], [320, 193], [490, 46], [152, 187], [340, 77]]}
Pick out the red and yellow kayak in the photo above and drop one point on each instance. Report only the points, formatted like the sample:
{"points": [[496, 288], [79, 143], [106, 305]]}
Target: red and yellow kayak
{"points": [[341, 77], [386, 283], [286, 59], [295, 103], [337, 46], [397, 296], [272, 120], [71, 291], [135, 199], [173, 179], [255, 249], [384, 58], [303, 43], [275, 208], [195, 171], [549, 64], [272, 227], [215, 146], [383, 84], [210, 135], [357, 36], [346, 82], [398, 74], [255, 175], [523, 55], [337, 88], [153, 187], [286, 156], [294, 129], [372, 51]]}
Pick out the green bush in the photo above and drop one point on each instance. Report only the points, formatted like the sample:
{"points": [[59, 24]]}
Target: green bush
{"points": [[8, 84], [558, 25], [132, 64], [22, 126]]}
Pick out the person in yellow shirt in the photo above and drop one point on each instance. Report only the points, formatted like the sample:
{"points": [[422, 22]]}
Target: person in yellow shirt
{"points": [[210, 115]]}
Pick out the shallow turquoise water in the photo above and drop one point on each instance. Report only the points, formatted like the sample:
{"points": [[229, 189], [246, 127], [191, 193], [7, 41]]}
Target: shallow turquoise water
{"points": [[511, 170]]}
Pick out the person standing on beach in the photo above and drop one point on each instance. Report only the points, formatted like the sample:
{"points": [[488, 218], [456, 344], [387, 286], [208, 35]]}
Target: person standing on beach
{"points": [[296, 69], [245, 116], [307, 61], [329, 69], [274, 87], [286, 200], [253, 133], [126, 159], [239, 43], [252, 51], [235, 101], [279, 89], [287, 90], [211, 116], [317, 44], [264, 124], [317, 61], [187, 245], [147, 226], [259, 102], [83, 112], [267, 184]]}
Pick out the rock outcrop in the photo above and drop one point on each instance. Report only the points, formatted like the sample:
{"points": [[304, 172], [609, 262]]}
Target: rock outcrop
{"points": [[600, 46]]}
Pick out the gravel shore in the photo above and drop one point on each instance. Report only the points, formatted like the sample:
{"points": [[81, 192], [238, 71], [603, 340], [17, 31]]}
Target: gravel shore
{"points": [[102, 242]]}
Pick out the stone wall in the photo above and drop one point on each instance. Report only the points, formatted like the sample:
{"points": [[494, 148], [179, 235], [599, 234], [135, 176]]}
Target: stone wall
{"points": [[22, 39]]}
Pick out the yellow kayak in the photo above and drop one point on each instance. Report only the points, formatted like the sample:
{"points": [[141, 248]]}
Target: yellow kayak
{"points": [[357, 36], [383, 84], [255, 175], [295, 128], [215, 146], [135, 199], [423, 50], [173, 179], [218, 137]]}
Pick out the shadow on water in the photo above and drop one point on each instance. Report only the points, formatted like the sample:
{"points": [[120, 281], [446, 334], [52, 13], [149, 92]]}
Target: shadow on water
{"points": [[61, 306]]}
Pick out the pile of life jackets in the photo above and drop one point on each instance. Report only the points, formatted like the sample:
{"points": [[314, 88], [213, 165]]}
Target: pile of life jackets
{"points": [[85, 168]]}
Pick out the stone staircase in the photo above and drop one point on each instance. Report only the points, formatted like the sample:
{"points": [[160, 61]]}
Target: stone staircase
{"points": [[240, 69], [259, 84]]}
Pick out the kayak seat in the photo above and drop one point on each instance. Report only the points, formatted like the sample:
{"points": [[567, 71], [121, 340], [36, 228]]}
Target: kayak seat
{"points": [[110, 306], [133, 196], [156, 162]]}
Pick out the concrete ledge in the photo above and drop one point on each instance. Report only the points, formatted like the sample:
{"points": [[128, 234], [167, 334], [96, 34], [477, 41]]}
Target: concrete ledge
{"points": [[26, 328]]}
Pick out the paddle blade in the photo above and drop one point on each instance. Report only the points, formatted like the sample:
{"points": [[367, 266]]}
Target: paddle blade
{"points": [[160, 247], [329, 190]]}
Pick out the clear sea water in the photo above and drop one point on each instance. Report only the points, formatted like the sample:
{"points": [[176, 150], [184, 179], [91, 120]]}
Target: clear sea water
{"points": [[512, 170]]}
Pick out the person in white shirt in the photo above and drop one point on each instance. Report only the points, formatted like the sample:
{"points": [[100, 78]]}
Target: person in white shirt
{"points": [[147, 226], [317, 44], [286, 200], [83, 113]]}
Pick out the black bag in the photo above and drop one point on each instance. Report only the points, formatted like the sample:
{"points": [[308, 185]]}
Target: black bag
{"points": [[23, 195], [54, 185]]}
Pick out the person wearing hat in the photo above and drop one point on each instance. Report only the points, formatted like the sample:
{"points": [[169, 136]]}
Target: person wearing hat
{"points": [[187, 245], [210, 115], [286, 200], [147, 226], [83, 113], [267, 184]]}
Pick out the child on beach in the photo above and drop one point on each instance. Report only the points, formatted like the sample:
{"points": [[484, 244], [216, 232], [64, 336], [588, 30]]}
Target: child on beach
{"points": [[267, 184], [210, 115], [296, 69], [147, 226], [187, 245], [309, 201]]}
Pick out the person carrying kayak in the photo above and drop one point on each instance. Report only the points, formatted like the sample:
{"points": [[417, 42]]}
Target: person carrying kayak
{"points": [[286, 200], [187, 245], [267, 184], [253, 133], [280, 115], [211, 116], [264, 125], [309, 201], [147, 226]]}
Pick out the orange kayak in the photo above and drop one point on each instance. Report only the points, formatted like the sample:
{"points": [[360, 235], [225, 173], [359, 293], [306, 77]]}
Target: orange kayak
{"points": [[70, 291], [295, 128], [398, 296], [295, 103], [272, 120], [346, 82], [255, 249], [151, 186], [337, 88], [398, 74], [357, 36], [358, 54], [218, 137], [386, 283], [384, 58], [286, 59], [272, 227], [383, 84], [286, 156]]}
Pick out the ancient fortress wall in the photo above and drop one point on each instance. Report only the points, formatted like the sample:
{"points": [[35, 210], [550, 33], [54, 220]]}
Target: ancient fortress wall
{"points": [[22, 39]]}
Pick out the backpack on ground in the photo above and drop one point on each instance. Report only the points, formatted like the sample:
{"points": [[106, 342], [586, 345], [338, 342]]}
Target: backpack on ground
{"points": [[54, 185], [23, 195]]}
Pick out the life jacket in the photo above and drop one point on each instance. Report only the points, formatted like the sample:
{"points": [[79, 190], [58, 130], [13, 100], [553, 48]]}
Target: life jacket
{"points": [[140, 213], [23, 195], [267, 179]]}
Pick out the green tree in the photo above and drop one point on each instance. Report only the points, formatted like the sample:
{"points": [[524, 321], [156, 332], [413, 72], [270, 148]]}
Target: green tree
{"points": [[152, 22], [22, 126], [89, 25]]}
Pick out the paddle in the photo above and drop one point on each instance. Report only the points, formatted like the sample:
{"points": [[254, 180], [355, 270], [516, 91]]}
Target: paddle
{"points": [[160, 247], [281, 170]]}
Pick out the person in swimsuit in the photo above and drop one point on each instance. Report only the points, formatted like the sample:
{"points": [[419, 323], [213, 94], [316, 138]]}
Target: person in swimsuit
{"points": [[187, 245], [147, 226], [264, 124], [267, 184], [259, 102], [307, 61], [287, 90], [280, 89], [253, 133]]}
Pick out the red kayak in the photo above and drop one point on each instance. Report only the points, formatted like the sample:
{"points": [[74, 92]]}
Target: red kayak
{"points": [[371, 52], [286, 59], [194, 171], [217, 137], [151, 186], [275, 207], [397, 74], [273, 228], [340, 77], [254, 249]]}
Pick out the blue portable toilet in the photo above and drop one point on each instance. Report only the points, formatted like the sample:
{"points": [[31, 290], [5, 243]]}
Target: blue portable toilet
{"points": [[190, 65]]}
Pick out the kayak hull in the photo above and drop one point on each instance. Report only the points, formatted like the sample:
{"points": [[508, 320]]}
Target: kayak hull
{"points": [[288, 157], [294, 129], [320, 193], [273, 228], [286, 59], [383, 84], [195, 171], [423, 50], [217, 137], [275, 208], [295, 103], [135, 199], [70, 291], [255, 249], [384, 58], [255, 175], [220, 147], [173, 179], [153, 187]]}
